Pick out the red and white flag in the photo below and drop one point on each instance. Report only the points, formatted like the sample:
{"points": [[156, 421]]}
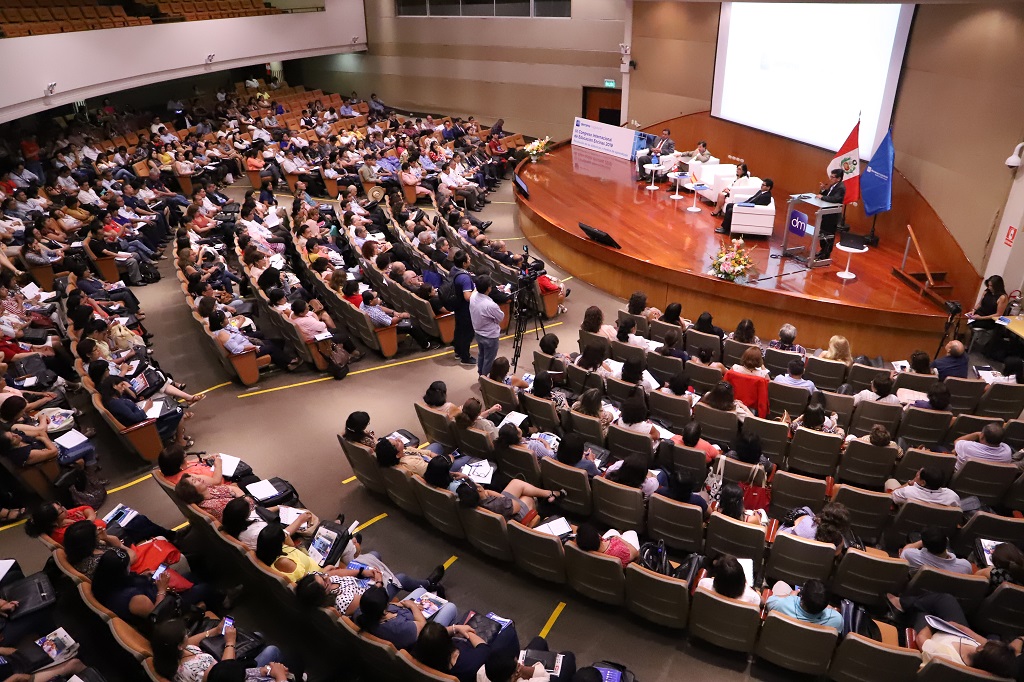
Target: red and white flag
{"points": [[848, 160]]}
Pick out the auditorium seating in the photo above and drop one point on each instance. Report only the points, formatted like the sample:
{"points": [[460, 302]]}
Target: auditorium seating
{"points": [[21, 18], [198, 10]]}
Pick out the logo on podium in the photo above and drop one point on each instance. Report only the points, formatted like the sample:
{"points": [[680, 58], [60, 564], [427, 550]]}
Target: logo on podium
{"points": [[798, 223]]}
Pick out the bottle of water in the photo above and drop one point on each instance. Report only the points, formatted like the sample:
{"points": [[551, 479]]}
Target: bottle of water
{"points": [[654, 159]]}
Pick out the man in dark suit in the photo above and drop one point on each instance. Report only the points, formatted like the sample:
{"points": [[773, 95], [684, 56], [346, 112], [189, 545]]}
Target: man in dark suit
{"points": [[834, 193], [762, 197], [663, 145]]}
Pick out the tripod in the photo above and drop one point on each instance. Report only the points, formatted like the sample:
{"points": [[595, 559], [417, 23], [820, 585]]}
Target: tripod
{"points": [[952, 323], [526, 308]]}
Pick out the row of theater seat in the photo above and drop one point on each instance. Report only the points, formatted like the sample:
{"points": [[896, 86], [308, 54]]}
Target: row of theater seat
{"points": [[862, 576], [201, 10]]}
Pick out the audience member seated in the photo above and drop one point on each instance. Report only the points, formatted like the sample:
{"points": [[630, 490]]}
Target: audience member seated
{"points": [[635, 472], [1007, 566], [593, 322], [398, 622], [787, 341], [573, 451], [838, 350], [509, 434], [752, 362], [954, 363], [726, 578], [682, 488], [177, 656], [634, 417], [133, 597], [674, 315], [815, 418], [120, 399], [745, 333], [502, 666], [458, 651], [795, 377], [691, 438], [926, 486], [933, 550], [938, 398], [637, 305], [809, 604], [705, 324], [623, 546], [590, 403], [990, 656], [243, 522], [879, 392], [984, 446], [721, 397], [392, 452], [211, 498], [921, 363], [52, 519], [514, 503], [730, 503], [831, 524]]}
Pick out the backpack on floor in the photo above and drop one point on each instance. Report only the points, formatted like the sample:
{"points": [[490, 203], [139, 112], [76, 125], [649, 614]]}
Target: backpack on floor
{"points": [[149, 273], [614, 671]]}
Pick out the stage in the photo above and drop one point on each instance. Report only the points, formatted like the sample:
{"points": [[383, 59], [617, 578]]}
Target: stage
{"points": [[666, 252]]}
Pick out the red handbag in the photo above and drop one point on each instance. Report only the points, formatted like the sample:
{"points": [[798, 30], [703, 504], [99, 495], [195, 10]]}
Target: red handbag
{"points": [[756, 496]]}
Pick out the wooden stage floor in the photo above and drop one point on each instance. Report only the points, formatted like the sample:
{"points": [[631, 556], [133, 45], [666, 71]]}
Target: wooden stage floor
{"points": [[663, 243]]}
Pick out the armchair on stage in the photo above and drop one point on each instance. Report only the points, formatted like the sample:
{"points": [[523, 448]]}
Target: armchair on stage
{"points": [[757, 220], [721, 178]]}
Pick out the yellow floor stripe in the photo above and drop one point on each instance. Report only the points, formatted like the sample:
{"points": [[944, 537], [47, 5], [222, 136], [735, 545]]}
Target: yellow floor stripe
{"points": [[348, 480], [140, 479], [14, 525], [566, 279], [214, 388], [502, 202], [446, 351], [372, 521], [510, 239], [180, 526], [551, 621], [451, 560]]}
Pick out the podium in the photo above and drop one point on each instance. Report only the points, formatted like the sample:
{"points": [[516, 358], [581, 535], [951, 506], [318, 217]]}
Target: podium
{"points": [[821, 208]]}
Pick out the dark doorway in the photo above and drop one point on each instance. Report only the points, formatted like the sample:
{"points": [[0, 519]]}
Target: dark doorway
{"points": [[602, 104]]}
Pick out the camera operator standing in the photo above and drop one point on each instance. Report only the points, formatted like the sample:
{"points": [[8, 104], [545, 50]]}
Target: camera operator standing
{"points": [[487, 318]]}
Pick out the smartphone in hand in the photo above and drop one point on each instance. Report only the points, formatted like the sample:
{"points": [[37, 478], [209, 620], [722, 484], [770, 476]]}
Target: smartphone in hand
{"points": [[229, 622], [159, 572]]}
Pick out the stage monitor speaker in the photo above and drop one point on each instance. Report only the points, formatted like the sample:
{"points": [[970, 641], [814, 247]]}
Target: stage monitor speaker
{"points": [[599, 236], [520, 185]]}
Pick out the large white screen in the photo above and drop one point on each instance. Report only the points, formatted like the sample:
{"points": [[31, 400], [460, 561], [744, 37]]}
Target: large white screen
{"points": [[805, 71]]}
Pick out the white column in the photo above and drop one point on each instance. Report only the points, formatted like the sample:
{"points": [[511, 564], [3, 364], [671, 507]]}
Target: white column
{"points": [[277, 69], [1007, 259], [624, 67]]}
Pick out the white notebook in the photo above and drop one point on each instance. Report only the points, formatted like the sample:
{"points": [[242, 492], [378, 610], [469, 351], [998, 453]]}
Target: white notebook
{"points": [[262, 490]]}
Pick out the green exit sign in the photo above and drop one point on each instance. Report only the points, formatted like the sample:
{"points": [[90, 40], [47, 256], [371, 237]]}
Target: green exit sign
{"points": [[609, 82]]}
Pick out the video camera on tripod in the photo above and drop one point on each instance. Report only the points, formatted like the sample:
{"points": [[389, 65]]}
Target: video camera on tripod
{"points": [[530, 270], [525, 304]]}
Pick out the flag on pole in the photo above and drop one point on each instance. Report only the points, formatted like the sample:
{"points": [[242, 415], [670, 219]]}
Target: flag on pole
{"points": [[848, 160], [877, 181]]}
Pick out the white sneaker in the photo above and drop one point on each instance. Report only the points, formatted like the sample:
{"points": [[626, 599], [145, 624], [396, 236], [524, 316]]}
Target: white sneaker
{"points": [[229, 178]]}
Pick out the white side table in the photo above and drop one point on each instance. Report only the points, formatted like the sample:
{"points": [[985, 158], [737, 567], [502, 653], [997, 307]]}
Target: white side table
{"points": [[846, 274], [677, 176], [652, 167]]}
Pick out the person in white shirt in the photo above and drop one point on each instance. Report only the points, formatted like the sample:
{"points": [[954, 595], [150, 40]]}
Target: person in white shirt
{"points": [[66, 183], [880, 392], [259, 133], [986, 446], [462, 187], [926, 486], [89, 151], [730, 581], [156, 126], [87, 195], [22, 177]]}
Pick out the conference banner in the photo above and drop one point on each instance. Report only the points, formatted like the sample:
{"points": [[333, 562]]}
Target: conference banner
{"points": [[876, 182], [603, 138]]}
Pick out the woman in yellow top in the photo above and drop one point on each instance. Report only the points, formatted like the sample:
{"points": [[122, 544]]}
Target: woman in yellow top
{"points": [[291, 562]]}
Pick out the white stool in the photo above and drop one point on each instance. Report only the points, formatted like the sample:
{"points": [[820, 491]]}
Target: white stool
{"points": [[652, 167], [850, 250]]}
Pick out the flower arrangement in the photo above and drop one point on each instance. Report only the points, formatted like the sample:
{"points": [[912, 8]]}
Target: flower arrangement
{"points": [[732, 262], [537, 148]]}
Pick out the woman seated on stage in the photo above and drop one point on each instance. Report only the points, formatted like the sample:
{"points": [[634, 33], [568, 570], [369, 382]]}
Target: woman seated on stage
{"points": [[674, 315], [745, 332], [742, 177], [839, 350], [721, 397], [751, 362], [593, 322], [638, 306]]}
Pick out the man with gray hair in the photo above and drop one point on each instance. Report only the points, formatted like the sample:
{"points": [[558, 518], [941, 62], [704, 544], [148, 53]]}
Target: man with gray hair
{"points": [[954, 364], [787, 341]]}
